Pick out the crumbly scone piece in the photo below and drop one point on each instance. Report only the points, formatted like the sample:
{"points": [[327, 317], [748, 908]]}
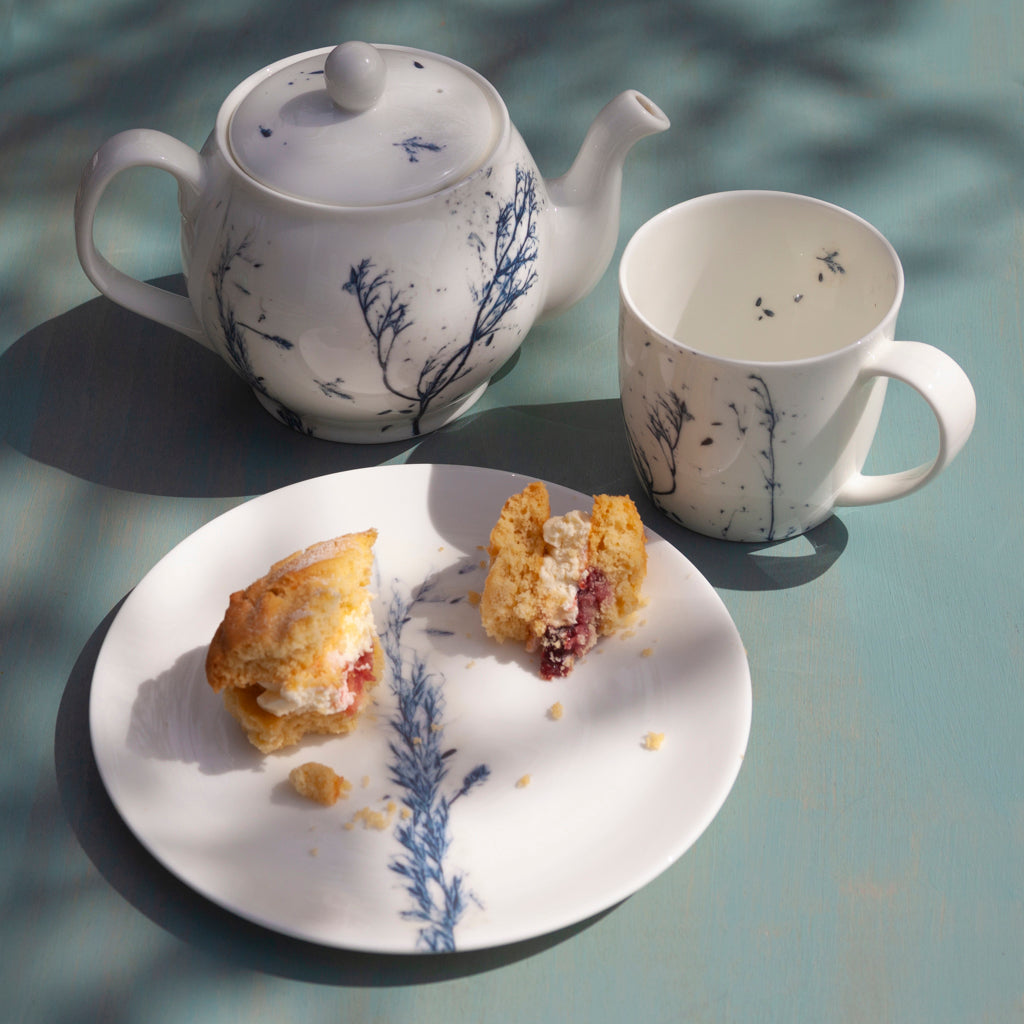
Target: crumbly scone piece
{"points": [[510, 604], [269, 732], [557, 583], [618, 548], [319, 782], [297, 652]]}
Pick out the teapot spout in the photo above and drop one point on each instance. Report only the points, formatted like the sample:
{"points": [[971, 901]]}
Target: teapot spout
{"points": [[586, 199]]}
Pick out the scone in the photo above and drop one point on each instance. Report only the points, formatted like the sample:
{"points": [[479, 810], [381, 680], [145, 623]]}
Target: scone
{"points": [[297, 652], [557, 583]]}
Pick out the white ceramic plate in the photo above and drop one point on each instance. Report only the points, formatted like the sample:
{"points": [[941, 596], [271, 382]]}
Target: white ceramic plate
{"points": [[524, 823]]}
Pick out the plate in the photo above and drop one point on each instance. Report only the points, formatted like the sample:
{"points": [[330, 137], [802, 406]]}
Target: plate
{"points": [[477, 817]]}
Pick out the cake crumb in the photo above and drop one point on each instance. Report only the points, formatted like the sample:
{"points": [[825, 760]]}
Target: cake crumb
{"points": [[522, 782], [319, 782], [373, 819], [556, 711], [647, 652], [654, 740], [474, 597], [365, 781], [405, 814], [314, 851]]}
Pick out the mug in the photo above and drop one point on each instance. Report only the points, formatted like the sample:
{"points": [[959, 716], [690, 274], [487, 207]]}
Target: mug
{"points": [[756, 339]]}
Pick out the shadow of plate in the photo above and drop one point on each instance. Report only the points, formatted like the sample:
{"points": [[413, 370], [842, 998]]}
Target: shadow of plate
{"points": [[163, 898]]}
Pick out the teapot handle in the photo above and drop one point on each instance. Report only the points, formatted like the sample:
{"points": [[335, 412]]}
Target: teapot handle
{"points": [[139, 147]]}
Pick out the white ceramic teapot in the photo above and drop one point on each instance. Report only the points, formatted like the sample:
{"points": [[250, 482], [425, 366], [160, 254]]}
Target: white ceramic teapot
{"points": [[366, 239]]}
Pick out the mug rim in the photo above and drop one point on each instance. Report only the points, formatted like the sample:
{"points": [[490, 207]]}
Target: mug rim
{"points": [[652, 223]]}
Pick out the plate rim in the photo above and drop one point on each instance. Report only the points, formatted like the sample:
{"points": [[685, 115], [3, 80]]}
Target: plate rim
{"points": [[514, 480]]}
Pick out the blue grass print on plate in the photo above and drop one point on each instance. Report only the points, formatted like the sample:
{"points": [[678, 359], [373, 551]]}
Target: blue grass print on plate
{"points": [[419, 764]]}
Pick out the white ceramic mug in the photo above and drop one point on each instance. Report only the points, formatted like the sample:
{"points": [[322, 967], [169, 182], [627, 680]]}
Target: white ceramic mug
{"points": [[755, 342]]}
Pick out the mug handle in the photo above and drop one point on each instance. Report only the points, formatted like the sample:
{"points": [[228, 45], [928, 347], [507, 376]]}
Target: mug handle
{"points": [[139, 147], [947, 390]]}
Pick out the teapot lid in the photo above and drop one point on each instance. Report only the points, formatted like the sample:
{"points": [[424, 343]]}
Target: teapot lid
{"points": [[362, 125]]}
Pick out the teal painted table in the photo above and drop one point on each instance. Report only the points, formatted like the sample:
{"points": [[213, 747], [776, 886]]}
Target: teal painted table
{"points": [[869, 864]]}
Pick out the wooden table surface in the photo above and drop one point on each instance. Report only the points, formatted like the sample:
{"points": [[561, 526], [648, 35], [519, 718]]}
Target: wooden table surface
{"points": [[869, 862]]}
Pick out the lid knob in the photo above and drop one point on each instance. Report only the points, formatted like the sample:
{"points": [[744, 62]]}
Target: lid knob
{"points": [[355, 74]]}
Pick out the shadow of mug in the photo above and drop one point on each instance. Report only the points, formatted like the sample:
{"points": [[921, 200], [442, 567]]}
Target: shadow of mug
{"points": [[582, 445]]}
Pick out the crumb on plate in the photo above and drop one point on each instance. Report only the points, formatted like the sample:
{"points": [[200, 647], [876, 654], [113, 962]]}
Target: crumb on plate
{"points": [[319, 782], [654, 740], [556, 711], [370, 818]]}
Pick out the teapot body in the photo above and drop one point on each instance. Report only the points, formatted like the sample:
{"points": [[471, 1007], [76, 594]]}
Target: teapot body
{"points": [[366, 324], [367, 255]]}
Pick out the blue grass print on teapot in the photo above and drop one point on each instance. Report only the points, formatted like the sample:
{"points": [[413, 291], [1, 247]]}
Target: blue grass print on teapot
{"points": [[365, 237]]}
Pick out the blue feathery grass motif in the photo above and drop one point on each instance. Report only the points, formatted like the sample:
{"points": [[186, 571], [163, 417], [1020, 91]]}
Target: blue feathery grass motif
{"points": [[665, 421], [769, 420], [235, 331], [509, 272], [668, 416], [234, 338], [419, 765], [333, 388], [415, 145]]}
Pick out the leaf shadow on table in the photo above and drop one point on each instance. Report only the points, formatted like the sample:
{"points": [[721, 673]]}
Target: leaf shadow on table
{"points": [[149, 887]]}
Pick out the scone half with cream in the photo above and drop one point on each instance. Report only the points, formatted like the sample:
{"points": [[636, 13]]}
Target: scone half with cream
{"points": [[558, 583], [297, 652]]}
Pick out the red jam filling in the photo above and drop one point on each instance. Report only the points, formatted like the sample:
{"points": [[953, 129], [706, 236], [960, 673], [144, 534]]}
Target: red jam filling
{"points": [[359, 675], [562, 645]]}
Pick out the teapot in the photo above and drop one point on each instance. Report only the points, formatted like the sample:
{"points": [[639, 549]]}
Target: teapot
{"points": [[365, 238]]}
